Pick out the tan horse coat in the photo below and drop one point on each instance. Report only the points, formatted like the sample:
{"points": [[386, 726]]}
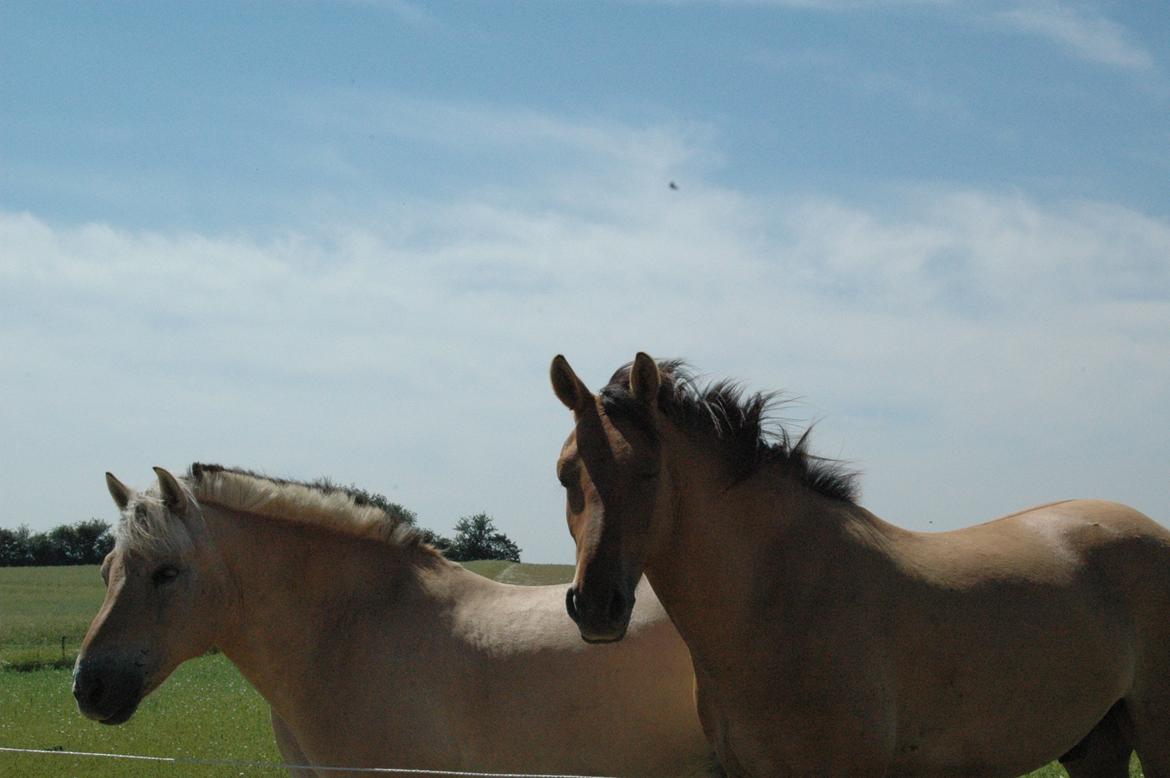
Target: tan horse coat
{"points": [[375, 652], [829, 642]]}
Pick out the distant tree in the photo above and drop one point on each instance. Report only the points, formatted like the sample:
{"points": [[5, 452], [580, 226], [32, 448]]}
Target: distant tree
{"points": [[98, 537], [393, 509], [477, 538], [14, 546], [43, 549], [434, 539], [364, 497], [398, 511], [83, 543]]}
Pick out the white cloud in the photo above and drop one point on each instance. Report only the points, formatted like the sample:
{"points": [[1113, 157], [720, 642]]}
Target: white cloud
{"points": [[817, 5], [1083, 31], [1079, 27], [971, 350], [841, 71], [528, 137]]}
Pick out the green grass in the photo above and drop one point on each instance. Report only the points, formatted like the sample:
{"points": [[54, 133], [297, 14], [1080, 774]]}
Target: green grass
{"points": [[488, 568], [205, 710], [522, 574], [41, 605]]}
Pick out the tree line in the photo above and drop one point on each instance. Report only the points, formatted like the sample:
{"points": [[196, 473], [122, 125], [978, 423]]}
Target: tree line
{"points": [[88, 542], [83, 543]]}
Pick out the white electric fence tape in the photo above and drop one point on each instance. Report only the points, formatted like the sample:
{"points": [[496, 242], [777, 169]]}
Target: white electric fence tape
{"points": [[180, 760]]}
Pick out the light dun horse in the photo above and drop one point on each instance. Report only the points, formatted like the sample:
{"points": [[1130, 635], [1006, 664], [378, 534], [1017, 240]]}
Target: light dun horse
{"points": [[370, 648], [828, 642]]}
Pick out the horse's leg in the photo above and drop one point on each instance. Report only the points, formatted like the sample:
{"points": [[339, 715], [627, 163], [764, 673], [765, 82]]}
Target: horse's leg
{"points": [[1104, 752], [1151, 730], [289, 750]]}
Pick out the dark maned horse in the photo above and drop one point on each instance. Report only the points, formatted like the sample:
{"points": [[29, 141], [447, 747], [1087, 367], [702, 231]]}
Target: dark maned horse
{"points": [[829, 642]]}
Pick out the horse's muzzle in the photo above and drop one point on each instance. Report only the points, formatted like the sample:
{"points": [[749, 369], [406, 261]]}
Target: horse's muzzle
{"points": [[106, 690], [603, 619]]}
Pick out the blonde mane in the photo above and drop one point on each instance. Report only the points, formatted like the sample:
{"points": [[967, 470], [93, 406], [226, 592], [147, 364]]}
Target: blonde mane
{"points": [[321, 504]]}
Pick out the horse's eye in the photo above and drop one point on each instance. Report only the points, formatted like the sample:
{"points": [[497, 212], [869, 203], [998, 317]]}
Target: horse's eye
{"points": [[164, 575]]}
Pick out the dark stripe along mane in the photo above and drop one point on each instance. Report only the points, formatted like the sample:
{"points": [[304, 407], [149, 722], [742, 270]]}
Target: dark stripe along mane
{"points": [[740, 423]]}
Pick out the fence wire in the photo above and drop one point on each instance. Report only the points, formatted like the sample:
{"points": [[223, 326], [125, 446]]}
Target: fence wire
{"points": [[239, 763]]}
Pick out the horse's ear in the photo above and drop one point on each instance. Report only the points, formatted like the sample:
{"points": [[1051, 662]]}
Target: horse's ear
{"points": [[119, 491], [645, 379], [173, 496], [569, 388]]}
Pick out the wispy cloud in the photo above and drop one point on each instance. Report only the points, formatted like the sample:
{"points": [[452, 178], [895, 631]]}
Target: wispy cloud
{"points": [[1082, 30], [408, 351], [843, 72], [1079, 27], [815, 5], [492, 129]]}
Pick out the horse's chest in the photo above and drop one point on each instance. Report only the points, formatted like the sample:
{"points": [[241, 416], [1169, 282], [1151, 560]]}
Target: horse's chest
{"points": [[766, 729]]}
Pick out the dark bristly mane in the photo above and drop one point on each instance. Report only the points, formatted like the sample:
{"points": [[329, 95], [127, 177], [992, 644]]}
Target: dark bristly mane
{"points": [[739, 422], [319, 502]]}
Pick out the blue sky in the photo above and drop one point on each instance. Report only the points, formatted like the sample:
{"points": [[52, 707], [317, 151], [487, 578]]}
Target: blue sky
{"points": [[346, 239]]}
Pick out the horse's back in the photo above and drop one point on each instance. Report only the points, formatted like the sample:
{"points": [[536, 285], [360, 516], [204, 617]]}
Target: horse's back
{"points": [[1118, 552], [1077, 566], [1056, 541]]}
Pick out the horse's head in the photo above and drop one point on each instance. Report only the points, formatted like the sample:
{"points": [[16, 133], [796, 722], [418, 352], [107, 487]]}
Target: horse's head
{"points": [[164, 601], [610, 467]]}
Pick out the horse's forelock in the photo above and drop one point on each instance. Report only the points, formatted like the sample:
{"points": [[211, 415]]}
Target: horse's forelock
{"points": [[148, 528]]}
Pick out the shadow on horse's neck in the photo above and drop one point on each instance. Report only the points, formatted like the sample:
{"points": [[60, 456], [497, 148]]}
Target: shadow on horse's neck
{"points": [[728, 534]]}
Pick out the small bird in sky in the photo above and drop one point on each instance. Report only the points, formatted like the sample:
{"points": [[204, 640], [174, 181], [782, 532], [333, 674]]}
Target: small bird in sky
{"points": [[674, 186]]}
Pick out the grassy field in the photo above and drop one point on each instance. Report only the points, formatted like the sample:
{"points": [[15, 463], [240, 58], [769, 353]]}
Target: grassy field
{"points": [[205, 711], [40, 606], [522, 574]]}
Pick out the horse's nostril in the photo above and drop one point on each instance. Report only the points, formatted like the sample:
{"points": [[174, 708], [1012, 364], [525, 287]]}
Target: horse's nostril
{"points": [[89, 690], [617, 605], [97, 692], [571, 604]]}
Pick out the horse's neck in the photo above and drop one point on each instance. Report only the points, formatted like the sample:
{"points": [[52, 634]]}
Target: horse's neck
{"points": [[732, 546], [297, 589]]}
